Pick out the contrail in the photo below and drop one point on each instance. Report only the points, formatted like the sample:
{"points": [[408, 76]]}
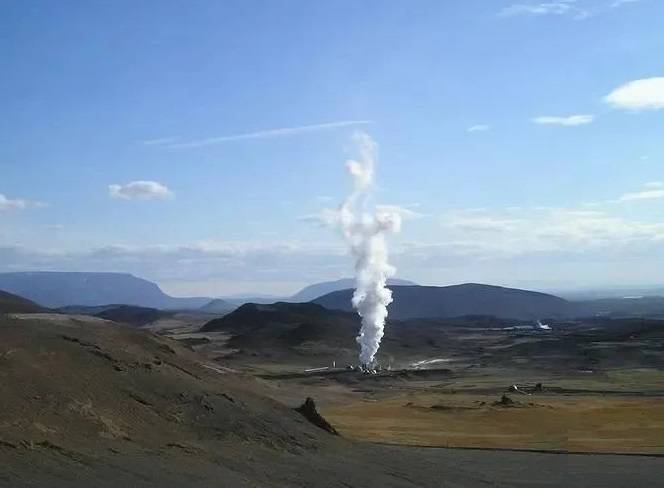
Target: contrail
{"points": [[365, 230], [282, 132]]}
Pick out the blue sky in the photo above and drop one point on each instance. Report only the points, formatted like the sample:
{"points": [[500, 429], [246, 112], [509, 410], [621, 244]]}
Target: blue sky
{"points": [[509, 133]]}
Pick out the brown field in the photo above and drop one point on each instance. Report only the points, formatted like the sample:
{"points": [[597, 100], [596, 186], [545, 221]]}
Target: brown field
{"points": [[579, 423]]}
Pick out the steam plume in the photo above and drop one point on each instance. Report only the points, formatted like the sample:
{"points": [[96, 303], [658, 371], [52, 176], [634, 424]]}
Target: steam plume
{"points": [[365, 229]]}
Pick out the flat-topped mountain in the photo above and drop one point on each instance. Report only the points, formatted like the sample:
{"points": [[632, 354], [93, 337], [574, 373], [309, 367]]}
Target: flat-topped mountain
{"points": [[59, 289], [459, 300]]}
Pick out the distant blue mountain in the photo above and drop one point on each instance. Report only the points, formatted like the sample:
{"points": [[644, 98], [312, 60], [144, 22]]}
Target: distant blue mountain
{"points": [[308, 293], [458, 300], [316, 290], [59, 289]]}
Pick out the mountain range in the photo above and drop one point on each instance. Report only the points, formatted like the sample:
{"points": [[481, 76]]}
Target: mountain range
{"points": [[77, 292], [54, 289]]}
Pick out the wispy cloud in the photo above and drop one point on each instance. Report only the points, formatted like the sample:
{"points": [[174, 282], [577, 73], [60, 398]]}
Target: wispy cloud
{"points": [[642, 195], [478, 128], [577, 10], [568, 121], [560, 7], [17, 203], [622, 3], [140, 190], [644, 94], [262, 134], [652, 190], [162, 141]]}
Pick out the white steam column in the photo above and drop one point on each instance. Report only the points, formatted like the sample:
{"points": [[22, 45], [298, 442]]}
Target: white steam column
{"points": [[365, 229]]}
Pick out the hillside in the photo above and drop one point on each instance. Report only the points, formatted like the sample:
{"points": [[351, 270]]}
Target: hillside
{"points": [[60, 289], [280, 327], [111, 405], [10, 303], [106, 393], [458, 300]]}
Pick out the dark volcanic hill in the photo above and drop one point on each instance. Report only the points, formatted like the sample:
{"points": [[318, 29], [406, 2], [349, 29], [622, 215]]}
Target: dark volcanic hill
{"points": [[59, 289], [293, 323], [459, 300], [307, 331], [10, 303], [132, 315]]}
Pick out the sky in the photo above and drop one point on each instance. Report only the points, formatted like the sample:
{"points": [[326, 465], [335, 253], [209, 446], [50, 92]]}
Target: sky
{"points": [[198, 143]]}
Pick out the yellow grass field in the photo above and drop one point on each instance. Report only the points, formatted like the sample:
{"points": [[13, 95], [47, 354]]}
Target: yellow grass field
{"points": [[592, 423]]}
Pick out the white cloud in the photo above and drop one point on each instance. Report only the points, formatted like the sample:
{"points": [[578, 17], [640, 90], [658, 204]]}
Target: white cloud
{"points": [[652, 190], [479, 128], [577, 10], [140, 190], [560, 7], [643, 195], [644, 94], [567, 121], [17, 203], [263, 134], [622, 3]]}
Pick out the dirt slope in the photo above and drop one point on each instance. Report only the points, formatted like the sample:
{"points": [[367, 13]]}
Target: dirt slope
{"points": [[10, 303]]}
